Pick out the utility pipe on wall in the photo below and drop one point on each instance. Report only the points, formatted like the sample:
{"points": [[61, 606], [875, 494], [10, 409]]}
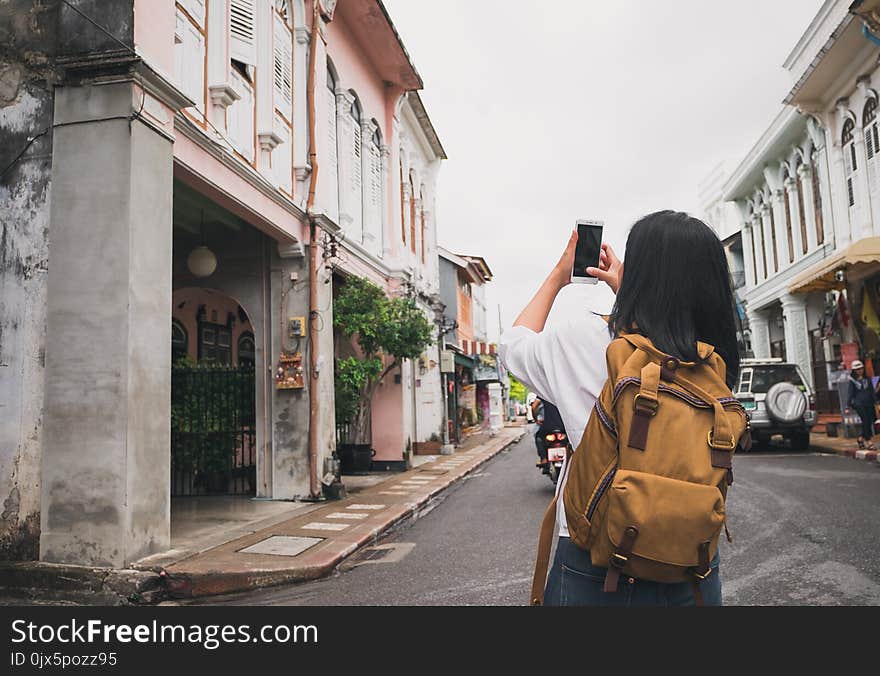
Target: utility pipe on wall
{"points": [[313, 259]]}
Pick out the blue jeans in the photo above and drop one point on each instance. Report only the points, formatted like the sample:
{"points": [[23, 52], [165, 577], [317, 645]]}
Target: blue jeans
{"points": [[575, 581]]}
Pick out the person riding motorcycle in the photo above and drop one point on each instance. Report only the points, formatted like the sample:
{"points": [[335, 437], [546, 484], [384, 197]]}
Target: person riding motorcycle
{"points": [[548, 420]]}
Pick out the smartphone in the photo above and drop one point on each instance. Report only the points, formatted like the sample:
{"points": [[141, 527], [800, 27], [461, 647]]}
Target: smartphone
{"points": [[586, 254]]}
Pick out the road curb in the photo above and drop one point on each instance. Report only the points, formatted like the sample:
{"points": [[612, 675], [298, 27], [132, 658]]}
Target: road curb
{"points": [[870, 456], [189, 585]]}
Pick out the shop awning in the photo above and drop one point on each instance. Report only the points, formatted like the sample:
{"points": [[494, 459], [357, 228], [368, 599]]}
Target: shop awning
{"points": [[464, 360], [823, 275]]}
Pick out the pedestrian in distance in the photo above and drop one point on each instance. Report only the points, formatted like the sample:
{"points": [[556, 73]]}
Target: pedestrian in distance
{"points": [[863, 400], [675, 299]]}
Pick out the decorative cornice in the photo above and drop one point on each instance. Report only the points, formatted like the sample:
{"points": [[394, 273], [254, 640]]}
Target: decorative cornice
{"points": [[302, 172], [269, 140], [303, 35], [223, 95]]}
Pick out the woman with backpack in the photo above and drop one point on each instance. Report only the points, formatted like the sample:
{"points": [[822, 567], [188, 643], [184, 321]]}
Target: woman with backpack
{"points": [[675, 301], [863, 399]]}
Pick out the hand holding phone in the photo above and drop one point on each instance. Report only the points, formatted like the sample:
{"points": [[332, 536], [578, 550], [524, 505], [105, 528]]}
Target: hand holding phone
{"points": [[587, 251]]}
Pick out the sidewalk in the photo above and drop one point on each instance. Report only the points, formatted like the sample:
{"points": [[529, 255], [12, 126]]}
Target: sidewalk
{"points": [[311, 545], [841, 446]]}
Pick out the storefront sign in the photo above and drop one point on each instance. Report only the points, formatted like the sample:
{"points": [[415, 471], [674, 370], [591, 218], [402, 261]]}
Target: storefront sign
{"points": [[486, 367], [447, 361]]}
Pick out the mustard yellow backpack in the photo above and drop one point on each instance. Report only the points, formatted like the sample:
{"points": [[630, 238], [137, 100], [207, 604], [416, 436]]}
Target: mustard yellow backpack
{"points": [[645, 490]]}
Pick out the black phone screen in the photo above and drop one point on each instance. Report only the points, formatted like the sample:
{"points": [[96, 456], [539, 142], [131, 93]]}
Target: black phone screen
{"points": [[586, 254]]}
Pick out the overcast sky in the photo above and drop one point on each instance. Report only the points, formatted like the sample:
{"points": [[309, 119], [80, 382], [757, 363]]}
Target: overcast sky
{"points": [[555, 111]]}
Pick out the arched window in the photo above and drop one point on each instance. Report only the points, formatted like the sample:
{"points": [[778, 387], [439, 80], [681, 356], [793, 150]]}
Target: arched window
{"points": [[787, 206], [332, 149], [872, 140], [763, 242], [355, 188], [817, 199], [246, 350], [179, 341], [850, 163], [802, 212]]}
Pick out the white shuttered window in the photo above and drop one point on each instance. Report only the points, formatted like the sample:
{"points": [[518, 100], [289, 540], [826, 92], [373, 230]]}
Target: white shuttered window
{"points": [[356, 197], [283, 55], [872, 141], [242, 31], [373, 197], [850, 162], [189, 60], [332, 180]]}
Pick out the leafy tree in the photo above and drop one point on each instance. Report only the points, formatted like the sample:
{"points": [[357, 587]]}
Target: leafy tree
{"points": [[387, 331], [518, 391]]}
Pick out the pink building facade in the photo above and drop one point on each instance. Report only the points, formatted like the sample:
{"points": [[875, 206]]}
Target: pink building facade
{"points": [[179, 175]]}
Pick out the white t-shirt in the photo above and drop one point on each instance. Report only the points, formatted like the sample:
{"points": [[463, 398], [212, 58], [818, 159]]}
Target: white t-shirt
{"points": [[565, 365]]}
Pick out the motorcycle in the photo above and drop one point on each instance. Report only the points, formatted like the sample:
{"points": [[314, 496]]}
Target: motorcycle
{"points": [[556, 444]]}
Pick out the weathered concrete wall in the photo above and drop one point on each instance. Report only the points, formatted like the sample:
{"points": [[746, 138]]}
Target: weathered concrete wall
{"points": [[290, 408], [105, 488], [27, 75]]}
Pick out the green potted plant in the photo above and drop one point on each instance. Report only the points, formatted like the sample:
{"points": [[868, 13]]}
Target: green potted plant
{"points": [[385, 331]]}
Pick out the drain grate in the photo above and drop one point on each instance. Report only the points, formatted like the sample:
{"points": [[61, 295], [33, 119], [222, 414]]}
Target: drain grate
{"points": [[390, 553]]}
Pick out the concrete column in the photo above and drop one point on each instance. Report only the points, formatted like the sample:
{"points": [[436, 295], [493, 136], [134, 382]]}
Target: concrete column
{"points": [[805, 175], [765, 260], [778, 206], [797, 340], [759, 326], [106, 457], [842, 228], [747, 234], [791, 196], [290, 407]]}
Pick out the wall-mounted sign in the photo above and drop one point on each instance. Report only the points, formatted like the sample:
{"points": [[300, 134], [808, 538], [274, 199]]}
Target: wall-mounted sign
{"points": [[486, 368], [447, 361]]}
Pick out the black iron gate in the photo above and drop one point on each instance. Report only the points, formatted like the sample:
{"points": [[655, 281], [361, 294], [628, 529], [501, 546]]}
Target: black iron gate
{"points": [[213, 442]]}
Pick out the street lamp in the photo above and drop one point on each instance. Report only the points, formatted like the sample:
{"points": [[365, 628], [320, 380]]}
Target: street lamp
{"points": [[444, 326]]}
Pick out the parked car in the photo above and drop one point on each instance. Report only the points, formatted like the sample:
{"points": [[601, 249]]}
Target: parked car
{"points": [[777, 398]]}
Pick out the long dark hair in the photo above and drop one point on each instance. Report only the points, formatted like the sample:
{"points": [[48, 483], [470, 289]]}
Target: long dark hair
{"points": [[676, 289]]}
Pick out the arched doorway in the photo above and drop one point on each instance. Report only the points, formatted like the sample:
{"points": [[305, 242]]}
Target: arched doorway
{"points": [[213, 411]]}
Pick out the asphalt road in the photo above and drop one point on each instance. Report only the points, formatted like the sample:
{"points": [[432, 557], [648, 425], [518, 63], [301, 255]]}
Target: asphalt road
{"points": [[806, 530]]}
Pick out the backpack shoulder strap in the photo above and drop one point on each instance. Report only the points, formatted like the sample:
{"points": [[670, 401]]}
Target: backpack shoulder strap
{"points": [[645, 406], [545, 543]]}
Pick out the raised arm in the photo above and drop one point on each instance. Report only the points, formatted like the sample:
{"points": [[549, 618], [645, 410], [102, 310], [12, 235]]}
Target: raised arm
{"points": [[534, 315]]}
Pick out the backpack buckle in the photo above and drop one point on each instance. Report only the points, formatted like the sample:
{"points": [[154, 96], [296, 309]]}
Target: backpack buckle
{"points": [[729, 446], [643, 404], [618, 560], [700, 576]]}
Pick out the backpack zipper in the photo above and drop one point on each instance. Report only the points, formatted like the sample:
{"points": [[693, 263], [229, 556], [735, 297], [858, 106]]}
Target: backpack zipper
{"points": [[603, 486]]}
